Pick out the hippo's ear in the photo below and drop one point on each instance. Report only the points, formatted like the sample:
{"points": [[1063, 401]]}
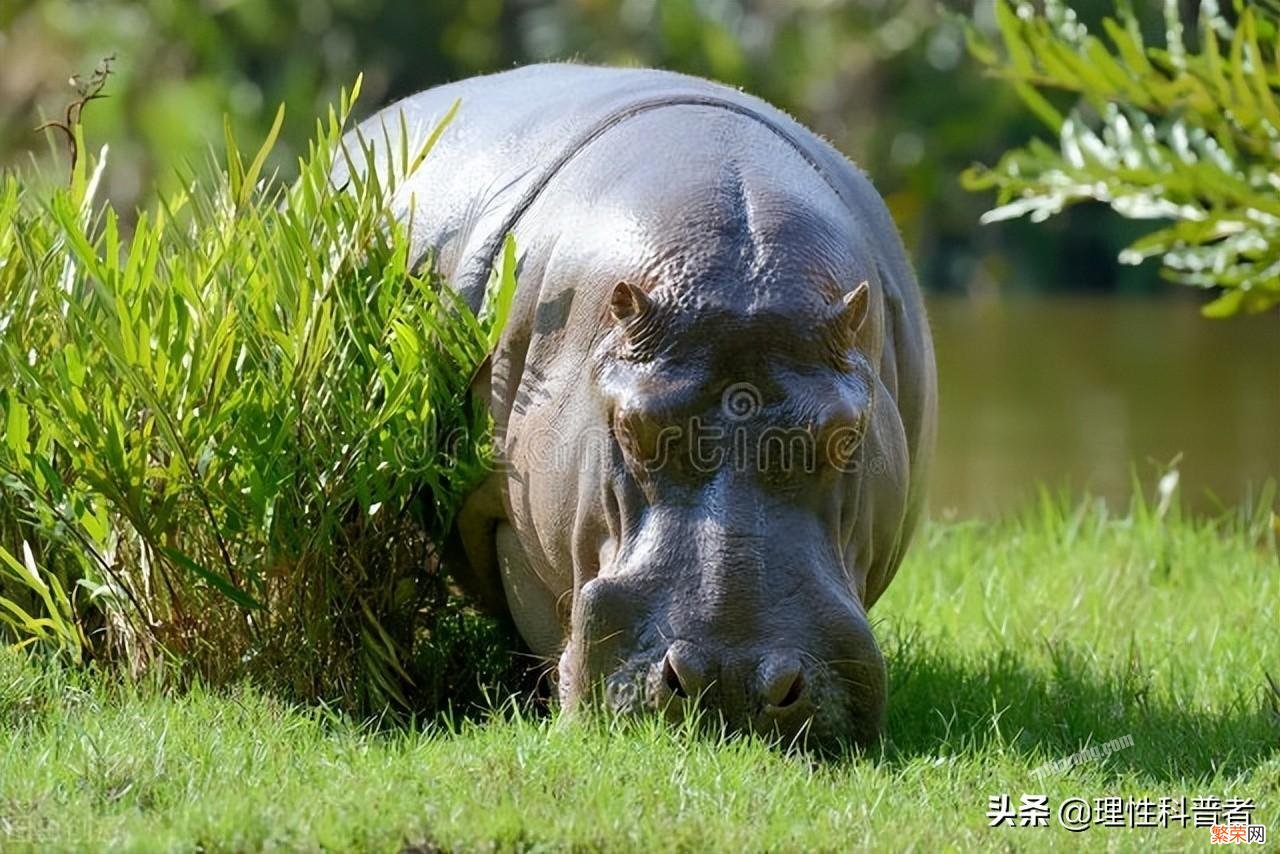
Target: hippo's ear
{"points": [[853, 312], [628, 303]]}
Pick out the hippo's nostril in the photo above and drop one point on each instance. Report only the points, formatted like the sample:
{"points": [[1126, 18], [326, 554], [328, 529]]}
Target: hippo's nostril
{"points": [[782, 682], [793, 693], [684, 670], [672, 679]]}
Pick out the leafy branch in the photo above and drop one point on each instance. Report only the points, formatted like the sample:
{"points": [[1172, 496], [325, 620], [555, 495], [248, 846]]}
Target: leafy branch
{"points": [[1187, 133]]}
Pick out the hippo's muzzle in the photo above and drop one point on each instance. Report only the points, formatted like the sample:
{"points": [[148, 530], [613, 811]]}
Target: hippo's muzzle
{"points": [[822, 683]]}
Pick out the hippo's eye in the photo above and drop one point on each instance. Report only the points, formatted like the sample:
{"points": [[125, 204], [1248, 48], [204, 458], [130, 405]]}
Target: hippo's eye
{"points": [[840, 444], [782, 479], [644, 443]]}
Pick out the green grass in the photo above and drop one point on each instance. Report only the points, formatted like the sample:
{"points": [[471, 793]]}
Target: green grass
{"points": [[1009, 644]]}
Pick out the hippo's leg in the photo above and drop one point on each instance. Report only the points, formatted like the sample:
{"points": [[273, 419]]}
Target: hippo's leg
{"points": [[470, 554], [492, 567], [532, 602]]}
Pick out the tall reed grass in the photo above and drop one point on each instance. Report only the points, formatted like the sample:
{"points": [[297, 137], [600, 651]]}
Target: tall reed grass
{"points": [[234, 434]]}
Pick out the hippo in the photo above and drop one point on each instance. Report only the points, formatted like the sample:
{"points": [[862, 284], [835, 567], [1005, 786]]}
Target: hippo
{"points": [[714, 400]]}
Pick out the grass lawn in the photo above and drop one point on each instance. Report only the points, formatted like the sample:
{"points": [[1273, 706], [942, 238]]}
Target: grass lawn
{"points": [[1010, 644]]}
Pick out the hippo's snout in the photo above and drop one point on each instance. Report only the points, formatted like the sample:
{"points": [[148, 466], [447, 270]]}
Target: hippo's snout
{"points": [[773, 696], [815, 678]]}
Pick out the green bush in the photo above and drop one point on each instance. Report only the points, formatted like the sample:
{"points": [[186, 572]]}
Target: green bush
{"points": [[233, 438], [1180, 133]]}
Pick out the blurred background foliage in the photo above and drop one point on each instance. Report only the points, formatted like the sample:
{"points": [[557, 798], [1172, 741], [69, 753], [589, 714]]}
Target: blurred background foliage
{"points": [[1179, 133], [889, 81]]}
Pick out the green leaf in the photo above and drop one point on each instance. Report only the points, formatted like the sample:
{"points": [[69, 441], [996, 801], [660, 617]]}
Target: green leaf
{"points": [[502, 291], [17, 427], [250, 179], [221, 583], [434, 137], [1227, 304], [235, 167]]}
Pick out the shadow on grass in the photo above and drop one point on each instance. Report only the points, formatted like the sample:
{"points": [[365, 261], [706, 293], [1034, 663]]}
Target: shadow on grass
{"points": [[1047, 704]]}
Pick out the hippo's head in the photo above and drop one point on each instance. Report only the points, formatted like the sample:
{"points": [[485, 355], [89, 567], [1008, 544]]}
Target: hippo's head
{"points": [[730, 578]]}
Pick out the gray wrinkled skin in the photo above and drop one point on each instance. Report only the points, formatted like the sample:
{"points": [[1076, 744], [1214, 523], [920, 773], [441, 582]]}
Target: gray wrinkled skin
{"points": [[688, 305]]}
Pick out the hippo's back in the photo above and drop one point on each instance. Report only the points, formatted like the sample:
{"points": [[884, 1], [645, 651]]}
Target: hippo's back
{"points": [[516, 130]]}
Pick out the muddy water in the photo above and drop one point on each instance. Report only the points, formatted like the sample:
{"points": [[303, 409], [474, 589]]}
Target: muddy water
{"points": [[1081, 392]]}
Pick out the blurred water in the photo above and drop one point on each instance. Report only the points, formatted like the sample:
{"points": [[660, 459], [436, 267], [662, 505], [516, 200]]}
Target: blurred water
{"points": [[1078, 391]]}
